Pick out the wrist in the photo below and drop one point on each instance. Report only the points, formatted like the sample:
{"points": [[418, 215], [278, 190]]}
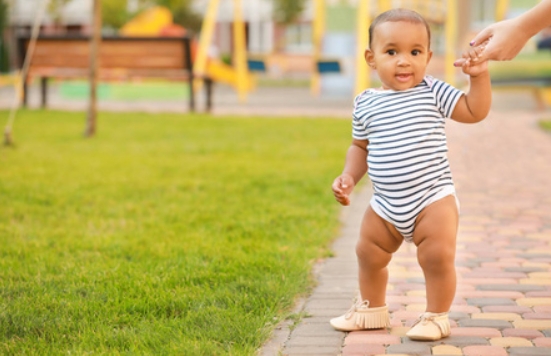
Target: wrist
{"points": [[482, 75], [525, 27], [349, 175]]}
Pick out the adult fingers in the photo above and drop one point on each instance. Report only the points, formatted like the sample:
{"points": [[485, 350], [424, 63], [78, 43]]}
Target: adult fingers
{"points": [[482, 36]]}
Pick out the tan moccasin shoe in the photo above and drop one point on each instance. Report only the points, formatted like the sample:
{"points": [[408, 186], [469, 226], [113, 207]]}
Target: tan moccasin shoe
{"points": [[430, 327], [361, 317]]}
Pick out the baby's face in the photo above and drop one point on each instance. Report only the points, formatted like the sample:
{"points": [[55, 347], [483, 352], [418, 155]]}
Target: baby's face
{"points": [[399, 53]]}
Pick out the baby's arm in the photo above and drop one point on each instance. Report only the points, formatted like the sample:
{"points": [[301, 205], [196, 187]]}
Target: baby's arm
{"points": [[475, 105], [354, 169]]}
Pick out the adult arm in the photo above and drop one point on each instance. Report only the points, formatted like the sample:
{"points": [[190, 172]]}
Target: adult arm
{"points": [[506, 38]]}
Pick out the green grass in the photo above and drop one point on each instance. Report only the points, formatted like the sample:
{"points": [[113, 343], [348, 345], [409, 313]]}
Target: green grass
{"points": [[145, 90], [163, 235], [155, 90], [522, 4], [526, 65], [546, 124]]}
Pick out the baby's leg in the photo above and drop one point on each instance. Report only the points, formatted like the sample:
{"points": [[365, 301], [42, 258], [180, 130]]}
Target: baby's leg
{"points": [[378, 241], [435, 236]]}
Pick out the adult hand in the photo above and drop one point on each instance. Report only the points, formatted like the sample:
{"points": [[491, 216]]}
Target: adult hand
{"points": [[505, 40], [471, 57]]}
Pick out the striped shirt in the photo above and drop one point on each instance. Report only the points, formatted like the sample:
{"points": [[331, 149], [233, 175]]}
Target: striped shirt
{"points": [[407, 150]]}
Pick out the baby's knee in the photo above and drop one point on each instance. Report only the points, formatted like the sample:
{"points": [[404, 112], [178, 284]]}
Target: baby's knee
{"points": [[440, 258], [371, 255]]}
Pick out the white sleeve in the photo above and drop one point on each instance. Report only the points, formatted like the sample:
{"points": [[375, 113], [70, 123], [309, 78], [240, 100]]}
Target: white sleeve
{"points": [[446, 96], [359, 129]]}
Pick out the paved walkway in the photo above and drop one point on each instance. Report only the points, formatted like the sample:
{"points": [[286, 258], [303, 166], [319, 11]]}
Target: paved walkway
{"points": [[502, 169]]}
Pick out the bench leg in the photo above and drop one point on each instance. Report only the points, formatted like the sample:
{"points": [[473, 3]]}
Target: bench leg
{"points": [[208, 92], [25, 93], [44, 92], [191, 96]]}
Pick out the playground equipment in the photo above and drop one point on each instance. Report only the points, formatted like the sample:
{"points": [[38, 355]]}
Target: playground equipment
{"points": [[158, 21], [150, 22], [528, 71], [236, 75], [441, 13]]}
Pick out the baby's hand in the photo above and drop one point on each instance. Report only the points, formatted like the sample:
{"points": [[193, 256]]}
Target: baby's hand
{"points": [[470, 62], [474, 69], [342, 187]]}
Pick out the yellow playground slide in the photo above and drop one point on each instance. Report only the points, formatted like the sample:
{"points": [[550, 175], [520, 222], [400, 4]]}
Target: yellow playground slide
{"points": [[223, 73]]}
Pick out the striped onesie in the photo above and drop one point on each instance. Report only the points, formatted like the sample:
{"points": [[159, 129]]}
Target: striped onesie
{"points": [[407, 150]]}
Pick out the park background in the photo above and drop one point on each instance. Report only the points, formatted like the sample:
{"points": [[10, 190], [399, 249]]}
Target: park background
{"points": [[182, 233]]}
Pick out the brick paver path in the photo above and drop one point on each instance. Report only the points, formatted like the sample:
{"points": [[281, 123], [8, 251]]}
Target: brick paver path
{"points": [[502, 169]]}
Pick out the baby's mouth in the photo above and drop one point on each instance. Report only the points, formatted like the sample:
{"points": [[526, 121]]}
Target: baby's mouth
{"points": [[403, 76]]}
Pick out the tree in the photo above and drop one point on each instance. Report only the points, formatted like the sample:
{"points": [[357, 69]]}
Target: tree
{"points": [[55, 8], [182, 13], [114, 13], [288, 11], [4, 65]]}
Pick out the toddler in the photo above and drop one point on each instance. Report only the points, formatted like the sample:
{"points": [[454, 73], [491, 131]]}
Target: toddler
{"points": [[399, 140]]}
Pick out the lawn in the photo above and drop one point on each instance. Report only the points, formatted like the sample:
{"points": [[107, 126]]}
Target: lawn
{"points": [[134, 91], [525, 65], [546, 124], [163, 235]]}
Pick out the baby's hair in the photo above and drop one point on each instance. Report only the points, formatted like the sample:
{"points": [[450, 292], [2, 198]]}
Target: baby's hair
{"points": [[396, 15]]}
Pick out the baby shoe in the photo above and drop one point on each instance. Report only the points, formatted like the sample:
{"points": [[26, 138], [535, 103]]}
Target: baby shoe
{"points": [[430, 327], [361, 317]]}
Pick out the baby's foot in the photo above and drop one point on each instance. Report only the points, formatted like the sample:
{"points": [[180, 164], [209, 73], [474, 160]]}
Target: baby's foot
{"points": [[361, 317], [430, 327]]}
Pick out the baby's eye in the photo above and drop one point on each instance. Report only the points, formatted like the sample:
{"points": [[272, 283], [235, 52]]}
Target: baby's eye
{"points": [[416, 52], [391, 52]]}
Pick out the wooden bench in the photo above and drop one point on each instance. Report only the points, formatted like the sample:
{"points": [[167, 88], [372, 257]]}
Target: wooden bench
{"points": [[120, 59]]}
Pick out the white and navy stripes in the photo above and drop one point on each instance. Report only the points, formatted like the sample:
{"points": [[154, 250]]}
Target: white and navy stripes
{"points": [[407, 150]]}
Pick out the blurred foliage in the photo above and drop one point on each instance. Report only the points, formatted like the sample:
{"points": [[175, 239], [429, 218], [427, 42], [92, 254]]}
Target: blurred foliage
{"points": [[546, 124], [288, 11], [183, 13], [522, 4], [525, 65], [115, 13], [55, 9], [4, 63]]}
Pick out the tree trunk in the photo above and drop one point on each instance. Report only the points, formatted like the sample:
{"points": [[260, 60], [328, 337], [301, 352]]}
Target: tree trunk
{"points": [[95, 41]]}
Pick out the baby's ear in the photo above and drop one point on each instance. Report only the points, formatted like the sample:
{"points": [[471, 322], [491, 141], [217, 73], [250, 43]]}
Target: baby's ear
{"points": [[429, 56], [370, 58]]}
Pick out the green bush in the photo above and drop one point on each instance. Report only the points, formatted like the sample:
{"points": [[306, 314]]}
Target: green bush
{"points": [[183, 14], [115, 13], [4, 59]]}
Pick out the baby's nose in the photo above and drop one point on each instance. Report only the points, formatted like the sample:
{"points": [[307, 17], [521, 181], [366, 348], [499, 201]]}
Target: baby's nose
{"points": [[403, 61]]}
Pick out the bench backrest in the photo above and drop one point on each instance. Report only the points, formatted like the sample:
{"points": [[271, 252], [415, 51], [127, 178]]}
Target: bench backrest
{"points": [[114, 52]]}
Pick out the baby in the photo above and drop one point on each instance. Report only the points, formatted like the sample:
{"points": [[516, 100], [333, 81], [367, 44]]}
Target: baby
{"points": [[400, 141]]}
